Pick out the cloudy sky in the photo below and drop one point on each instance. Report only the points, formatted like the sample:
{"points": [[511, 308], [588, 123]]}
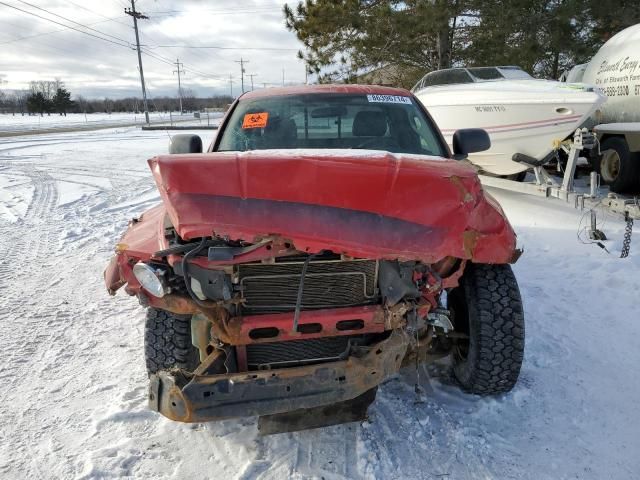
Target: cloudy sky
{"points": [[32, 48]]}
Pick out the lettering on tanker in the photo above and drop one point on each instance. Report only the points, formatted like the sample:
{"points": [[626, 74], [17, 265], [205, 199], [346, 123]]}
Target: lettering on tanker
{"points": [[626, 64], [620, 73]]}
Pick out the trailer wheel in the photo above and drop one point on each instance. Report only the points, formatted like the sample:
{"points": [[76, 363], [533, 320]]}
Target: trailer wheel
{"points": [[167, 342], [488, 308], [617, 166]]}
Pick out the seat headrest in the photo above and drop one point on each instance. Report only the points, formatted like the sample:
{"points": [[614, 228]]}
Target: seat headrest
{"points": [[281, 133], [369, 123]]}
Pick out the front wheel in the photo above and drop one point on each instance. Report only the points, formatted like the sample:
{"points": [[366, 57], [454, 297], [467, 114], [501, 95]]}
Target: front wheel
{"points": [[488, 308], [167, 342]]}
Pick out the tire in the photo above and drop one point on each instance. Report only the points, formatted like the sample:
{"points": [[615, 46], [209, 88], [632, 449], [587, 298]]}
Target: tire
{"points": [[620, 171], [167, 342], [488, 308]]}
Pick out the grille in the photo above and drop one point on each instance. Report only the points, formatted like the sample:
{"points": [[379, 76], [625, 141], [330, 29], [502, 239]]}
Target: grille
{"points": [[327, 284], [296, 352]]}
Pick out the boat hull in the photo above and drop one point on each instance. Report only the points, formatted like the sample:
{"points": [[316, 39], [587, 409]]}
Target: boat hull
{"points": [[530, 125]]}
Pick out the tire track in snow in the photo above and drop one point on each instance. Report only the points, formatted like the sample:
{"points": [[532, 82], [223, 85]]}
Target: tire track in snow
{"points": [[24, 327], [37, 317], [24, 255]]}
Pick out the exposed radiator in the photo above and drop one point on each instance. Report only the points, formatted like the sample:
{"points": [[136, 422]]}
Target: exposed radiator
{"points": [[327, 284], [297, 352]]}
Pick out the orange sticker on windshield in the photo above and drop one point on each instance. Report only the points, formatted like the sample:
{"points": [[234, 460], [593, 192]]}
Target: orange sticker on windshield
{"points": [[255, 120]]}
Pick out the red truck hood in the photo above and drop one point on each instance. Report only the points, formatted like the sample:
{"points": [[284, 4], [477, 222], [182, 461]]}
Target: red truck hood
{"points": [[366, 204]]}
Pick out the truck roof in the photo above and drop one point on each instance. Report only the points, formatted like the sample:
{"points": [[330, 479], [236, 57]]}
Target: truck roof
{"points": [[332, 88]]}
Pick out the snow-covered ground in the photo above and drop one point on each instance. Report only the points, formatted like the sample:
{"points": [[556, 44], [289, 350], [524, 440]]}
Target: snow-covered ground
{"points": [[28, 123], [73, 384]]}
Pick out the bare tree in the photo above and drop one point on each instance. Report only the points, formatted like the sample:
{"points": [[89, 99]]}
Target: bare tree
{"points": [[189, 99]]}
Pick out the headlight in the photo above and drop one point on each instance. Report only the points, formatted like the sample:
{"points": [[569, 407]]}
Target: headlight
{"points": [[150, 278]]}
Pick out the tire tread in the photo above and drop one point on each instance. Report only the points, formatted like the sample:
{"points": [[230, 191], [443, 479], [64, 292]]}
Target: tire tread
{"points": [[496, 326], [167, 342]]}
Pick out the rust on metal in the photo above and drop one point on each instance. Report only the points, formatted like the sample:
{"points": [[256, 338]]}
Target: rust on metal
{"points": [[469, 242], [200, 334], [464, 193], [200, 398], [173, 303], [394, 317], [328, 323], [215, 356]]}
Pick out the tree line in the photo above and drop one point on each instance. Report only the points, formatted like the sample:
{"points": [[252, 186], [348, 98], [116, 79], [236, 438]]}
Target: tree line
{"points": [[47, 97], [344, 38]]}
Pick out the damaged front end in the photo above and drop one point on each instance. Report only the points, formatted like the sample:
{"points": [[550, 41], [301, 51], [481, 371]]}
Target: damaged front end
{"points": [[307, 300]]}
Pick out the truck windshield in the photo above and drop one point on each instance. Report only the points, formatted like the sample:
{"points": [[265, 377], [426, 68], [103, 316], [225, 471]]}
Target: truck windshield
{"points": [[331, 121]]}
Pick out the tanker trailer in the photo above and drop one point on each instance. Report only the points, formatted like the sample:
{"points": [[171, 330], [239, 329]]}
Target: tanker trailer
{"points": [[615, 70]]}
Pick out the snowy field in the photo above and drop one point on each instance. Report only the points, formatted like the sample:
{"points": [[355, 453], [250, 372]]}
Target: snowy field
{"points": [[25, 123], [73, 394]]}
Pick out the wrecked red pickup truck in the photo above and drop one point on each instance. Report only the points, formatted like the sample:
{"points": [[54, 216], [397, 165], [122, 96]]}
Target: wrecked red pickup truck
{"points": [[326, 238]]}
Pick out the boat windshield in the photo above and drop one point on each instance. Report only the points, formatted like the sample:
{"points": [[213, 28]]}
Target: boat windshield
{"points": [[486, 73], [331, 121], [514, 73], [452, 76]]}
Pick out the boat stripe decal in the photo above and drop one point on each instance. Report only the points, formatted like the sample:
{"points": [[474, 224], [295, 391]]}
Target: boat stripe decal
{"points": [[527, 127], [534, 124]]}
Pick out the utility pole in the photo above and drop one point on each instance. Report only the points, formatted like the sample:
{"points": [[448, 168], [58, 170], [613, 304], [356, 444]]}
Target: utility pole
{"points": [[252, 75], [138, 16], [178, 71], [242, 62], [231, 86]]}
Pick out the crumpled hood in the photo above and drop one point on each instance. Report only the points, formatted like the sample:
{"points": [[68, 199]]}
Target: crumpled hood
{"points": [[366, 204]]}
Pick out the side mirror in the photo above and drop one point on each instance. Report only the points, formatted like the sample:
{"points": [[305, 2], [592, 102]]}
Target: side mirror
{"points": [[470, 140], [185, 144]]}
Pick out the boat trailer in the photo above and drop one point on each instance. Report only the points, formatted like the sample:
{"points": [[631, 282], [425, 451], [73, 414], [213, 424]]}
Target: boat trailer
{"points": [[589, 197]]}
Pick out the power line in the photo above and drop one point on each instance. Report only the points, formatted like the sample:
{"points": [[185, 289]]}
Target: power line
{"points": [[214, 47], [95, 13], [66, 26], [169, 13], [168, 61], [100, 35], [44, 44], [73, 21], [201, 59], [162, 59], [54, 31]]}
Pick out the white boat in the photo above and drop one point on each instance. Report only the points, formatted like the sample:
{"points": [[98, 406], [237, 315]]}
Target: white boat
{"points": [[521, 114]]}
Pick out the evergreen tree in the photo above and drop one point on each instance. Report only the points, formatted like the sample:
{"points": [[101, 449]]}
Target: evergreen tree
{"points": [[344, 38], [38, 103], [62, 101]]}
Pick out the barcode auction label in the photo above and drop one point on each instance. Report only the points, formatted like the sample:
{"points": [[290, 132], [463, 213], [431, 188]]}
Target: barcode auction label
{"points": [[388, 99]]}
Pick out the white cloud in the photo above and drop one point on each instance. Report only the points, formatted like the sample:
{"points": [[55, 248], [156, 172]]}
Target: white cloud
{"points": [[32, 48]]}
